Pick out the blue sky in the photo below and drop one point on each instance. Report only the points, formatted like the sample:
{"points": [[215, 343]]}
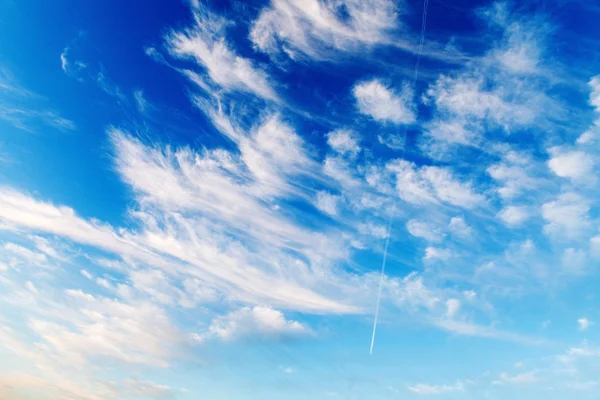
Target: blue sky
{"points": [[195, 199]]}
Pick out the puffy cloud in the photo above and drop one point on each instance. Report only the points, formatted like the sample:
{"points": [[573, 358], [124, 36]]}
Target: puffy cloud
{"points": [[519, 379], [411, 292], [521, 48], [430, 184], [452, 307], [583, 323], [465, 97], [470, 295], [453, 132], [517, 174], [255, 322], [593, 133], [435, 253], [459, 227], [376, 100], [376, 230], [504, 89], [424, 230], [514, 215], [315, 28], [576, 165], [344, 142], [566, 216], [327, 203]]}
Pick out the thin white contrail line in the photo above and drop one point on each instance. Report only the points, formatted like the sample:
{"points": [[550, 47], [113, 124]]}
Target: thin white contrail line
{"points": [[385, 250], [389, 230]]}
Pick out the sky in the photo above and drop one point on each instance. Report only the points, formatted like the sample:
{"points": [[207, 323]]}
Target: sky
{"points": [[196, 199]]}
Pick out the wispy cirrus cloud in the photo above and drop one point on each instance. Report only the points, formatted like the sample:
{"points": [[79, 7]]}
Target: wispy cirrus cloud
{"points": [[316, 28], [274, 222], [26, 110], [427, 389], [205, 43]]}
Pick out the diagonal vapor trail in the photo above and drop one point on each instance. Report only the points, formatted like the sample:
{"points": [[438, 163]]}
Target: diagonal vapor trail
{"points": [[389, 229]]}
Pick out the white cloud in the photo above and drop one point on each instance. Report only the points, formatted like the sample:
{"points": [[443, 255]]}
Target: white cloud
{"points": [[435, 253], [588, 385], [470, 295], [148, 389], [258, 321], [327, 203], [576, 165], [519, 379], [594, 84], [139, 333], [140, 100], [287, 370], [595, 246], [514, 215], [498, 90], [376, 100], [471, 329], [86, 274], [575, 261], [26, 110], [452, 307], [459, 227], [186, 200], [393, 141], [54, 388], [567, 216], [453, 132], [344, 142], [424, 230], [466, 98], [432, 185], [583, 323], [78, 293], [64, 62], [314, 28], [373, 229], [411, 292], [205, 42], [593, 133], [340, 170], [521, 49], [516, 173], [425, 389], [31, 287], [17, 254]]}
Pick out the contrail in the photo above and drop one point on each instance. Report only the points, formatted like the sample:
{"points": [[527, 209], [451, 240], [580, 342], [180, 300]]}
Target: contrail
{"points": [[389, 230], [387, 242]]}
